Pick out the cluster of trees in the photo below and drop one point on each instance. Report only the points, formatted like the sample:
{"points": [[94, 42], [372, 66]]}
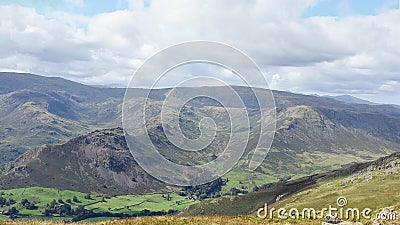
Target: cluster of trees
{"points": [[12, 213], [87, 196], [167, 197], [284, 179], [85, 214], [236, 191], [64, 208], [263, 187], [60, 208], [28, 205], [209, 190], [6, 202]]}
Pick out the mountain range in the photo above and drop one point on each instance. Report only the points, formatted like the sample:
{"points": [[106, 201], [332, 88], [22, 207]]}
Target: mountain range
{"points": [[351, 99], [62, 134]]}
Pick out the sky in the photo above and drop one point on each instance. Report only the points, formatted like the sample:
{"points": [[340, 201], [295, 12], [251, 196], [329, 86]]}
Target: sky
{"points": [[321, 47]]}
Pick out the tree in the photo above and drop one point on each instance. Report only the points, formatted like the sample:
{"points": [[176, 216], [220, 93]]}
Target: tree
{"points": [[88, 196], [80, 209], [208, 190], [53, 203], [169, 197], [234, 191], [24, 202], [47, 212], [256, 188], [11, 201], [75, 199], [13, 211], [3, 201], [28, 205], [65, 209]]}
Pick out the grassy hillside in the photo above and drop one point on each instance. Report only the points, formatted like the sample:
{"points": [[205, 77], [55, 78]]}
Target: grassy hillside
{"points": [[375, 187], [373, 184]]}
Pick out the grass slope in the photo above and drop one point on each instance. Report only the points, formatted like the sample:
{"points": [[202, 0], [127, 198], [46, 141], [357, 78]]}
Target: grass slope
{"points": [[374, 188], [373, 185]]}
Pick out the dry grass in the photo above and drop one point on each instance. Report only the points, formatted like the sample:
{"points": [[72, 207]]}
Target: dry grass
{"points": [[170, 220]]}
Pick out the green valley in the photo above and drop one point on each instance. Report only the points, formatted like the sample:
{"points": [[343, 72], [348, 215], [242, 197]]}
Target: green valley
{"points": [[95, 205]]}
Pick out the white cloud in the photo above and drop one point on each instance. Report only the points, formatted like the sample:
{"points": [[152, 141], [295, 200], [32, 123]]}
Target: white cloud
{"points": [[353, 54], [390, 86]]}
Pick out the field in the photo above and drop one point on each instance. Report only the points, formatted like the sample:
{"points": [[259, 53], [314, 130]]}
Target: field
{"points": [[137, 203], [125, 204], [116, 206], [246, 180]]}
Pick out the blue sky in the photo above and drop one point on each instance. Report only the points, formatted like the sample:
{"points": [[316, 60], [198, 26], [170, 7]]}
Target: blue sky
{"points": [[337, 8], [88, 8]]}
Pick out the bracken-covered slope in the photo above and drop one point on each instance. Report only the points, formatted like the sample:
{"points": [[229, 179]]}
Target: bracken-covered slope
{"points": [[371, 184]]}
